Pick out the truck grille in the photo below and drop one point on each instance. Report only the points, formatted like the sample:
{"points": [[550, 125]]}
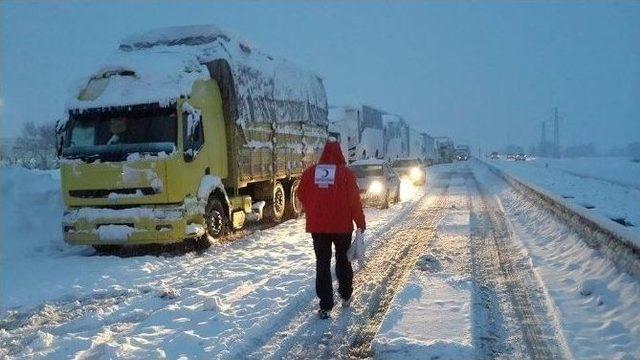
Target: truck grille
{"points": [[103, 193]]}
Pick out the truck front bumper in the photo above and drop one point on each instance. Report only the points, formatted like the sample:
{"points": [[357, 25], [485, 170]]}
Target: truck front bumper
{"points": [[138, 225]]}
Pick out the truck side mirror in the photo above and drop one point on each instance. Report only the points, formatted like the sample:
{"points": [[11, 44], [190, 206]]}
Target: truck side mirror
{"points": [[59, 147], [60, 132], [188, 156], [193, 132]]}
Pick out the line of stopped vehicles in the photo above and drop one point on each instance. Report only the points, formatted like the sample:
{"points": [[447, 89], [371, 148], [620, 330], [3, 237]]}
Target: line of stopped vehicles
{"points": [[189, 133]]}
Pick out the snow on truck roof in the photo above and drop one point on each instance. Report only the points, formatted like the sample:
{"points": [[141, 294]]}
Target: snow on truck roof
{"points": [[176, 35], [162, 64], [368, 162], [391, 118], [139, 78], [407, 159]]}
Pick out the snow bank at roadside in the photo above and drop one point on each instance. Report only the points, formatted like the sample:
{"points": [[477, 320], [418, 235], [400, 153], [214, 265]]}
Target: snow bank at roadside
{"points": [[28, 199], [31, 208]]}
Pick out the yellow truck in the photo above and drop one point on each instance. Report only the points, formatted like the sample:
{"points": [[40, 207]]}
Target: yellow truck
{"points": [[186, 132]]}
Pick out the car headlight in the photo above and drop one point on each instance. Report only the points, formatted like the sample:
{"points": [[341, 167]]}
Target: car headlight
{"points": [[415, 174], [376, 187]]}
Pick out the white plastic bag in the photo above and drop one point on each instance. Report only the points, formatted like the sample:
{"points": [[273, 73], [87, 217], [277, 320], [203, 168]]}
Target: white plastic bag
{"points": [[356, 250]]}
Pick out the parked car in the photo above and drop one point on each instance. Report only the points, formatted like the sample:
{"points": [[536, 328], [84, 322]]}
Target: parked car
{"points": [[462, 152], [495, 156], [379, 184], [462, 156], [410, 169], [520, 157]]}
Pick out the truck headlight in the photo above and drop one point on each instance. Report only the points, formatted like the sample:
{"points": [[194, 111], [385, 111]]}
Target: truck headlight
{"points": [[415, 174], [376, 187]]}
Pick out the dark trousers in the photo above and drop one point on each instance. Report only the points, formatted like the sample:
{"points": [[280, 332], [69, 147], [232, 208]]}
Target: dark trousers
{"points": [[344, 272]]}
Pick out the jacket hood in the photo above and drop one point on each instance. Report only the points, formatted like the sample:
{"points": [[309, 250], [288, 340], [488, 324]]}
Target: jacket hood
{"points": [[332, 154]]}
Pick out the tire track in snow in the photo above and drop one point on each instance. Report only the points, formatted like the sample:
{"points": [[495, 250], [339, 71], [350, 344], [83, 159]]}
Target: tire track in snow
{"points": [[538, 328], [496, 332]]}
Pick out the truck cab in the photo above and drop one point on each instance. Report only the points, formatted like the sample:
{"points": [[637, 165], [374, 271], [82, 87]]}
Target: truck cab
{"points": [[186, 132], [132, 174]]}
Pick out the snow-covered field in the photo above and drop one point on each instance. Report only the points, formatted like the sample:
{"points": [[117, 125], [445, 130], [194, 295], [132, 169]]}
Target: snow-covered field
{"points": [[609, 187], [620, 170]]}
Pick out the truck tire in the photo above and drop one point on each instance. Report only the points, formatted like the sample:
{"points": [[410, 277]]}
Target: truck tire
{"points": [[294, 207], [275, 209], [216, 219]]}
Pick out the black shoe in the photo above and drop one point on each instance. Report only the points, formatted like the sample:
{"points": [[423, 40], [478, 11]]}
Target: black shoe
{"points": [[324, 314]]}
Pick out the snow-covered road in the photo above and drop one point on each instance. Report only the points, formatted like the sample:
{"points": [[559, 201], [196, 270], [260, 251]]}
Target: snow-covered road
{"points": [[467, 267]]}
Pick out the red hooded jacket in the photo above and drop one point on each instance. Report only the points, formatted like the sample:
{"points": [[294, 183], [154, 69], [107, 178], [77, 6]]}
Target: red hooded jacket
{"points": [[330, 196]]}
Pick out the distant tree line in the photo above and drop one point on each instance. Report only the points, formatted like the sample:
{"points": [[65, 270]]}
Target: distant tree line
{"points": [[631, 150], [35, 148]]}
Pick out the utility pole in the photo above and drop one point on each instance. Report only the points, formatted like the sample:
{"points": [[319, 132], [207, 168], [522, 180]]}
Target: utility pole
{"points": [[543, 140], [556, 134]]}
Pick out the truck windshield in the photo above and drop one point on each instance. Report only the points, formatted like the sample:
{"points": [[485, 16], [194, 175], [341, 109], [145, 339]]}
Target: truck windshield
{"points": [[114, 135], [363, 171], [406, 163]]}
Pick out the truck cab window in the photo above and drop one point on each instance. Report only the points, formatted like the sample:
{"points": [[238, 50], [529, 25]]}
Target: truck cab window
{"points": [[193, 131]]}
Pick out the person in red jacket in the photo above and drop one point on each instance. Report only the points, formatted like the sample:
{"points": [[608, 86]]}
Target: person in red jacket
{"points": [[331, 200]]}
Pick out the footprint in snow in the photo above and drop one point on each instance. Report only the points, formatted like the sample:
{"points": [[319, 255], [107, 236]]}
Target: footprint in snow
{"points": [[600, 290], [169, 294], [326, 337], [429, 262]]}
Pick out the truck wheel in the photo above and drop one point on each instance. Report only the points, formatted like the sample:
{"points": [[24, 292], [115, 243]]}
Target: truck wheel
{"points": [[216, 219], [294, 207], [275, 210]]}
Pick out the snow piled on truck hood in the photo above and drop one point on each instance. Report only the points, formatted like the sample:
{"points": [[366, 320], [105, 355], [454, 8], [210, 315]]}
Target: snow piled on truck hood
{"points": [[141, 77]]}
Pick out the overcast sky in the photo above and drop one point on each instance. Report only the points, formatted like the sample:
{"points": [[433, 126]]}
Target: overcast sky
{"points": [[484, 73]]}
